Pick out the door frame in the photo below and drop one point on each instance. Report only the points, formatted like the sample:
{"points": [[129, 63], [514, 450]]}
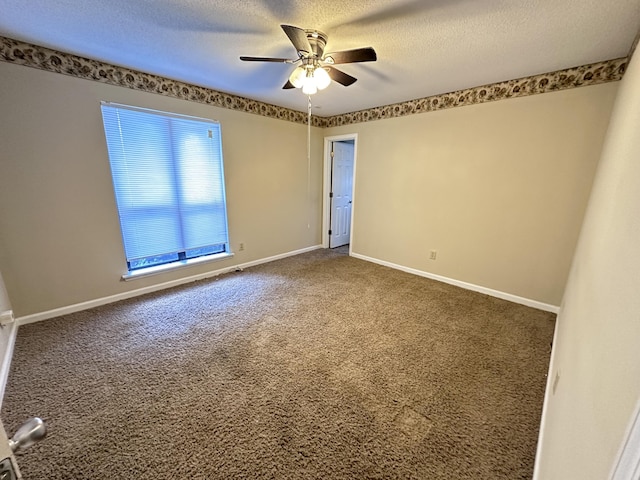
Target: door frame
{"points": [[326, 204], [627, 465]]}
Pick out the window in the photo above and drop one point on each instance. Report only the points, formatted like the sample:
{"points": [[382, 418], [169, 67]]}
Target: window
{"points": [[169, 185]]}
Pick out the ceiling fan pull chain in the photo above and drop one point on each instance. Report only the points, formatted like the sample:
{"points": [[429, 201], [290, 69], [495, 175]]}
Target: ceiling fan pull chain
{"points": [[309, 163]]}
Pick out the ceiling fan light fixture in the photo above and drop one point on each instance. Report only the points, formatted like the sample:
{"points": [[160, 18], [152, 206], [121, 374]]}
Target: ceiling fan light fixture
{"points": [[322, 78], [316, 71], [310, 78], [309, 87], [298, 77]]}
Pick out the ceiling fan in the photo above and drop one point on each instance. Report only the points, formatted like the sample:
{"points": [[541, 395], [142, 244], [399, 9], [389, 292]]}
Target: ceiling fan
{"points": [[316, 69]]}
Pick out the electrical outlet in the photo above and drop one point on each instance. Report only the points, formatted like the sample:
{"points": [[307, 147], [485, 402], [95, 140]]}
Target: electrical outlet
{"points": [[241, 247], [433, 254]]}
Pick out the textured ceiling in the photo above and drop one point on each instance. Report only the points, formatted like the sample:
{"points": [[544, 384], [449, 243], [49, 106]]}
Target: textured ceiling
{"points": [[425, 47]]}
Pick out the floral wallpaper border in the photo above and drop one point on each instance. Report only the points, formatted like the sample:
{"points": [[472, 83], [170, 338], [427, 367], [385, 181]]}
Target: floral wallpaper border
{"points": [[21, 53], [594, 74]]}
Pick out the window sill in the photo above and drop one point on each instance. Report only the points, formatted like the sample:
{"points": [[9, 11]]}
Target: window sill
{"points": [[145, 272]]}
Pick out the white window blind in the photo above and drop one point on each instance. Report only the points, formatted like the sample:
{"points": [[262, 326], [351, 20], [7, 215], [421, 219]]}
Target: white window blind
{"points": [[169, 184]]}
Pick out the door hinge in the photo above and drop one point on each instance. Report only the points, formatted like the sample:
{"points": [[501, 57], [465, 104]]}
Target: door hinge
{"points": [[330, 194], [329, 232], [331, 154]]}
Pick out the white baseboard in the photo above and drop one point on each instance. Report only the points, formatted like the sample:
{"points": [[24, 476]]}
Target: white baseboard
{"points": [[37, 317], [8, 333], [468, 286]]}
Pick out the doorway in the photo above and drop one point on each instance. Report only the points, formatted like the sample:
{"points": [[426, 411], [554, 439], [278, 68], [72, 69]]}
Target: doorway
{"points": [[340, 157]]}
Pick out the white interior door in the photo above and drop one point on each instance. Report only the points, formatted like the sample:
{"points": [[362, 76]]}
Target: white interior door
{"points": [[341, 192]]}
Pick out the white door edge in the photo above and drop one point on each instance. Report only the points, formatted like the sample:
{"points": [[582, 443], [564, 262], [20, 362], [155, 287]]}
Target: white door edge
{"points": [[6, 452], [627, 466]]}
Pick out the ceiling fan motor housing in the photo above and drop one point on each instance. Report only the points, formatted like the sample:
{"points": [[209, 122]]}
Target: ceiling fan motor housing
{"points": [[317, 40]]}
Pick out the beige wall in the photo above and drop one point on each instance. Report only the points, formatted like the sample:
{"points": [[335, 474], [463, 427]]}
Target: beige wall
{"points": [[597, 351], [498, 189], [60, 240]]}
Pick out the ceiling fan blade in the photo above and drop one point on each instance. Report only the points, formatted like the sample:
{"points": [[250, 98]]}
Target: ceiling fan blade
{"points": [[288, 85], [367, 54], [266, 59], [341, 77], [299, 38]]}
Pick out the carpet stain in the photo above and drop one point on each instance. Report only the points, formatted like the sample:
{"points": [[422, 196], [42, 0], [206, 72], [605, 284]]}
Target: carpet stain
{"points": [[412, 424]]}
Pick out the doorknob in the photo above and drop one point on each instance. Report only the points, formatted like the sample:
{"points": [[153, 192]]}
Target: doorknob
{"points": [[30, 432]]}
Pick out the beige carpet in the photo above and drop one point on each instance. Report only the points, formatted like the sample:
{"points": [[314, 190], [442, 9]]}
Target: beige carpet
{"points": [[319, 366]]}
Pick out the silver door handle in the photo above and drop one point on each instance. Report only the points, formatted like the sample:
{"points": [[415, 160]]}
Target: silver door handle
{"points": [[30, 432]]}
